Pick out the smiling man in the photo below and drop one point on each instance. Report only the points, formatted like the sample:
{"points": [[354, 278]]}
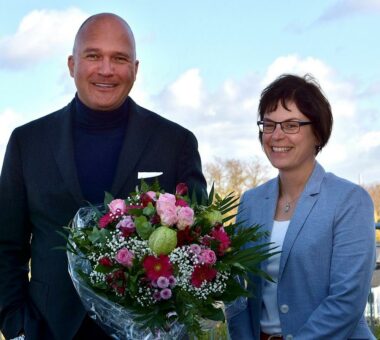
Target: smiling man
{"points": [[54, 165]]}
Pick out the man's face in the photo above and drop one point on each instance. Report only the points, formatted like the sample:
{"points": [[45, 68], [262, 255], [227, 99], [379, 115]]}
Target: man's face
{"points": [[104, 64]]}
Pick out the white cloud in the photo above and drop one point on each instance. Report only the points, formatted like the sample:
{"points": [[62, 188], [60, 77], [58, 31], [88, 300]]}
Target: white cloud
{"points": [[296, 65], [345, 8], [187, 89], [370, 140], [40, 35], [225, 121]]}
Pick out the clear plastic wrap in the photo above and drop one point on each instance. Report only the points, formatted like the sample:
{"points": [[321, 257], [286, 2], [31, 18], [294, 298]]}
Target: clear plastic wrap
{"points": [[116, 320]]}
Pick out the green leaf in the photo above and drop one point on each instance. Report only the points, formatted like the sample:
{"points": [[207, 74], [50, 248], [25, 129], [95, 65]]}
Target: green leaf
{"points": [[194, 198], [155, 186], [143, 227], [144, 187], [98, 235], [103, 269], [211, 194], [108, 198], [149, 210]]}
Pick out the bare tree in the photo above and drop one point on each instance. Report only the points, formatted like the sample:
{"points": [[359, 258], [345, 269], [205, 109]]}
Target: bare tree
{"points": [[233, 175], [374, 191]]}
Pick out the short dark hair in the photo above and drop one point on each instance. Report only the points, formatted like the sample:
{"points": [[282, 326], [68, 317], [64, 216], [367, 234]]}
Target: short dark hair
{"points": [[307, 94]]}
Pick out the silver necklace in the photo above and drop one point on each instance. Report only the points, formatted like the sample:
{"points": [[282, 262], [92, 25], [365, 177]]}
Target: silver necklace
{"points": [[288, 204], [287, 207]]}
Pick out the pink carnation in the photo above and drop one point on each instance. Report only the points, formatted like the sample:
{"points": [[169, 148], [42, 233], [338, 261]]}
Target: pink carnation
{"points": [[117, 206], [185, 217], [125, 257]]}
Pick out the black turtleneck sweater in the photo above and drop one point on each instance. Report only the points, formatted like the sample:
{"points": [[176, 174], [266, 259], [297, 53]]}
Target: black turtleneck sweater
{"points": [[98, 138]]}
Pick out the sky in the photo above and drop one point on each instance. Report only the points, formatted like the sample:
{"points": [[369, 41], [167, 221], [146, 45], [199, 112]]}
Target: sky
{"points": [[204, 64]]}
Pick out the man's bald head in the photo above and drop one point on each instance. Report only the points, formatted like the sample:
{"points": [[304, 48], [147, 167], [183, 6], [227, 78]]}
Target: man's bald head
{"points": [[102, 18], [103, 63]]}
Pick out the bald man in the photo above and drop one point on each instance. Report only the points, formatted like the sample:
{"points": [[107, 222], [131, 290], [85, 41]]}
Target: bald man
{"points": [[99, 142]]}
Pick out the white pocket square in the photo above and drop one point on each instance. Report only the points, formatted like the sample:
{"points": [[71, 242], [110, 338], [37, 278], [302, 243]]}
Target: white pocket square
{"points": [[146, 174]]}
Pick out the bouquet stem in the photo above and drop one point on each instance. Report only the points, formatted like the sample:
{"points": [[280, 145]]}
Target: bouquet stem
{"points": [[218, 332]]}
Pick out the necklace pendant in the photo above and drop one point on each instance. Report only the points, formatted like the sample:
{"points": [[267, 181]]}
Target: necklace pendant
{"points": [[287, 207]]}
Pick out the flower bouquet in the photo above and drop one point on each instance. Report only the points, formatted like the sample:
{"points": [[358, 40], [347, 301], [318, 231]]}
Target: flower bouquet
{"points": [[160, 265]]}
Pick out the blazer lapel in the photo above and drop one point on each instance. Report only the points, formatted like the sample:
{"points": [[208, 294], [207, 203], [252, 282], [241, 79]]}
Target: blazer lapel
{"points": [[61, 139], [307, 200], [138, 131], [269, 207]]}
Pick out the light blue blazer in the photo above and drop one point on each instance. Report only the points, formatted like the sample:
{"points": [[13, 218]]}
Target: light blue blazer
{"points": [[326, 265]]}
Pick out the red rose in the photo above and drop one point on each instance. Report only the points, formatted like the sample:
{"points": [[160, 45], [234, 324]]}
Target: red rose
{"points": [[105, 261], [181, 189], [146, 199], [181, 203], [187, 236], [155, 219]]}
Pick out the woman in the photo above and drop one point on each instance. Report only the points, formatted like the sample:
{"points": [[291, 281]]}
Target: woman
{"points": [[323, 225]]}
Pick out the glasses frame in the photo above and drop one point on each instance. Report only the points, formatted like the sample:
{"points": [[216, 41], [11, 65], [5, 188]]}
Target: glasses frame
{"points": [[261, 123]]}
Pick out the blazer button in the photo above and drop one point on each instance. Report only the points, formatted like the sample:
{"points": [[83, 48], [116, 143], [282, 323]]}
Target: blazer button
{"points": [[289, 337], [284, 309]]}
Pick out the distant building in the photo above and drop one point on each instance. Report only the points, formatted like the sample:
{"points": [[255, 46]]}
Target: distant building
{"points": [[374, 303]]}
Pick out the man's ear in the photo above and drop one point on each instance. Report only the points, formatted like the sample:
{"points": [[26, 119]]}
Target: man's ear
{"points": [[70, 64], [137, 63]]}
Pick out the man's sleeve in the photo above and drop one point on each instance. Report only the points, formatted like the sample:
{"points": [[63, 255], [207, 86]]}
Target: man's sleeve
{"points": [[14, 242]]}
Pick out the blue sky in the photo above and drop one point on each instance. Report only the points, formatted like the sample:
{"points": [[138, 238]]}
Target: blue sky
{"points": [[204, 64]]}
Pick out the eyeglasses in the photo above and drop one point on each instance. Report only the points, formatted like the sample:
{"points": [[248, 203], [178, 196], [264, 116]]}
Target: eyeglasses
{"points": [[288, 126]]}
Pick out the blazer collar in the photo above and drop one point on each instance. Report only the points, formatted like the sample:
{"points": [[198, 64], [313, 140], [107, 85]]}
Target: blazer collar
{"points": [[305, 204], [62, 141], [140, 127]]}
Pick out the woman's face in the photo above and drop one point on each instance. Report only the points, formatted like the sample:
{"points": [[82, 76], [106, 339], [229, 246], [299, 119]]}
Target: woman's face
{"points": [[285, 151]]}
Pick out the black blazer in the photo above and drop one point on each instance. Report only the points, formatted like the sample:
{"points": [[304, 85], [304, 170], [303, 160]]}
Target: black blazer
{"points": [[40, 193]]}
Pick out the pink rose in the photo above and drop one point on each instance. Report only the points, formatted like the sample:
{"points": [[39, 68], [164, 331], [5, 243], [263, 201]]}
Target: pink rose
{"points": [[126, 226], [195, 248], [116, 205], [169, 215], [151, 194], [207, 256], [185, 217], [164, 201], [125, 257]]}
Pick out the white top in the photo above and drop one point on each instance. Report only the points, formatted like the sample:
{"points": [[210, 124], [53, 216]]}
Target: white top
{"points": [[270, 320]]}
